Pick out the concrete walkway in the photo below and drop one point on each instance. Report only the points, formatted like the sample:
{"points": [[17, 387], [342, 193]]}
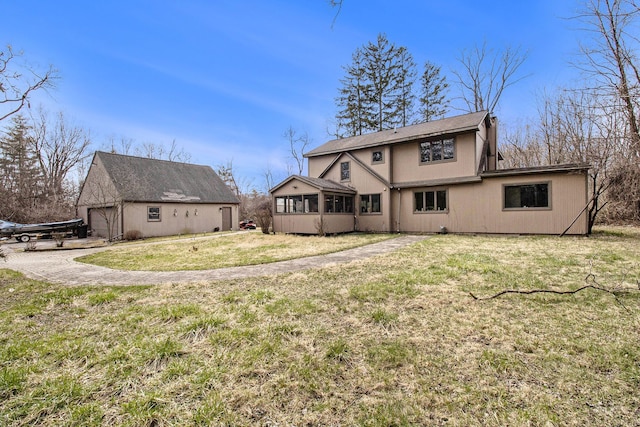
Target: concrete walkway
{"points": [[60, 267]]}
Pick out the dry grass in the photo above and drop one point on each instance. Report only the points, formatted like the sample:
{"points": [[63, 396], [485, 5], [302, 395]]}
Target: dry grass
{"points": [[225, 251], [393, 340]]}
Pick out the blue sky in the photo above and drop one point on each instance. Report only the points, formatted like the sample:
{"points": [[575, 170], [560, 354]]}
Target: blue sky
{"points": [[226, 78]]}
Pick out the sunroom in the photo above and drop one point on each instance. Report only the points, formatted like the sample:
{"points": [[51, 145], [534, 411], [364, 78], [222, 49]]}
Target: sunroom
{"points": [[304, 205]]}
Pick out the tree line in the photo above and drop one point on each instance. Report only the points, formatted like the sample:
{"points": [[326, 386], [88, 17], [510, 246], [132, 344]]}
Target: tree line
{"points": [[595, 122]]}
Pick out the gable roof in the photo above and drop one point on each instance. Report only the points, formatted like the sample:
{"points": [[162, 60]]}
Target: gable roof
{"points": [[360, 163], [448, 126], [140, 179], [319, 183]]}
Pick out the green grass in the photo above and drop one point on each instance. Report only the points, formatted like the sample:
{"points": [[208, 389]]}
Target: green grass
{"points": [[224, 251], [392, 340]]}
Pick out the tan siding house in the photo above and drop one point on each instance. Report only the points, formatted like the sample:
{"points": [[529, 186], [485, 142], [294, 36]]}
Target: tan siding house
{"points": [[155, 197], [432, 177]]}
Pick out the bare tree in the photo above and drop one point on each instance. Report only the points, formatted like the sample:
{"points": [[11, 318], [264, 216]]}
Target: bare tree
{"points": [[611, 61], [108, 204], [485, 75], [18, 82], [60, 147], [297, 145], [263, 213], [269, 180], [611, 55], [107, 194], [573, 126], [227, 174], [150, 150], [173, 153], [123, 145]]}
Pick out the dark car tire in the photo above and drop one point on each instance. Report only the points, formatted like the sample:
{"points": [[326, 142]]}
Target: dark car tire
{"points": [[24, 238]]}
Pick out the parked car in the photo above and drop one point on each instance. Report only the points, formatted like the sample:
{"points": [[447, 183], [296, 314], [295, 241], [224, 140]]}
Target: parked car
{"points": [[247, 224]]}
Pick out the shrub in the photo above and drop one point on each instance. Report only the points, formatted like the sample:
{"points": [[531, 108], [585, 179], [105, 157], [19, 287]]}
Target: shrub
{"points": [[133, 235]]}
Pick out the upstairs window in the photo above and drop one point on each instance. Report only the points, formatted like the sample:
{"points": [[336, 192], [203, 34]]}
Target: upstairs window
{"points": [[526, 196], [345, 171], [436, 151], [377, 157]]}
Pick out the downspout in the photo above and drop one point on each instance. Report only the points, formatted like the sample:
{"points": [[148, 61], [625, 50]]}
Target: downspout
{"points": [[399, 210], [122, 222]]}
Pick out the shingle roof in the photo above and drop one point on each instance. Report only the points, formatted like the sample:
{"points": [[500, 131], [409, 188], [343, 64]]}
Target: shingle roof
{"points": [[319, 183], [151, 180], [450, 125]]}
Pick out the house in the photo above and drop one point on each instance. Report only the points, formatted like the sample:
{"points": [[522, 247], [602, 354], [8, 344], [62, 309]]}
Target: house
{"points": [[426, 178], [154, 197]]}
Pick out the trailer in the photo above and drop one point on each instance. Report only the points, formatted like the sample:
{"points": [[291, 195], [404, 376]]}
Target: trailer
{"points": [[25, 232]]}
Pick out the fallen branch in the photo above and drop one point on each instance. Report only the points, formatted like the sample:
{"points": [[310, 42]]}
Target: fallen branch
{"points": [[590, 278], [540, 291]]}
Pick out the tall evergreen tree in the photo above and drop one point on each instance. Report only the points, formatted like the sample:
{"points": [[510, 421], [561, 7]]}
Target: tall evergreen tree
{"points": [[353, 98], [434, 87], [407, 78], [20, 178], [377, 92]]}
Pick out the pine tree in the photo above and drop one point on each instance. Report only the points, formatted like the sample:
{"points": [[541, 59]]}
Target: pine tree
{"points": [[353, 98], [407, 77], [377, 92], [433, 102], [20, 178]]}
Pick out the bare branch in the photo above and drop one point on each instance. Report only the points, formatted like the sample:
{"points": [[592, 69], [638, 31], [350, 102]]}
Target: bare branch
{"points": [[590, 279], [16, 87], [485, 76]]}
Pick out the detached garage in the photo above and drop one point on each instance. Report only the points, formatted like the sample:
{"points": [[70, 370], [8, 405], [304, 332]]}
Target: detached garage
{"points": [[124, 194]]}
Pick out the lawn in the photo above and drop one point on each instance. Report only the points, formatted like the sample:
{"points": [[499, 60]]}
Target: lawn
{"points": [[391, 340], [233, 250]]}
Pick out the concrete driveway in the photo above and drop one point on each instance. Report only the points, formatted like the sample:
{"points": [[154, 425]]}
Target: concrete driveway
{"points": [[58, 266]]}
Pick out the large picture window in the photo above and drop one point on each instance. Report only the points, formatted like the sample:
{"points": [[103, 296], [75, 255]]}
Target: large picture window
{"points": [[338, 204], [436, 151], [428, 201], [297, 204], [524, 196], [153, 213], [370, 203]]}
